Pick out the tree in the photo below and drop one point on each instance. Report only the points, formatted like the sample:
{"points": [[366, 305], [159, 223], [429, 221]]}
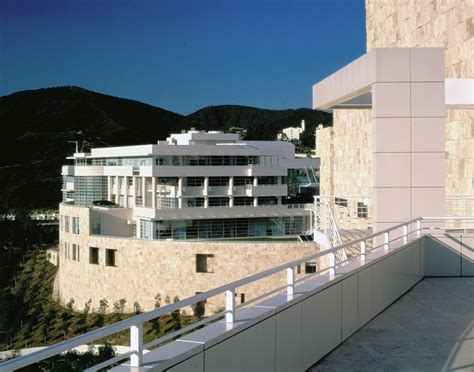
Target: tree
{"points": [[155, 323], [199, 309], [137, 308], [70, 304], [176, 316]]}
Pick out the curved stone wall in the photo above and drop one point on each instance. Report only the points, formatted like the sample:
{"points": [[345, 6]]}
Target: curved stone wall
{"points": [[144, 268]]}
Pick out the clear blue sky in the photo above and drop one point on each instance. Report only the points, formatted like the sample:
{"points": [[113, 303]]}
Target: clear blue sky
{"points": [[180, 54]]}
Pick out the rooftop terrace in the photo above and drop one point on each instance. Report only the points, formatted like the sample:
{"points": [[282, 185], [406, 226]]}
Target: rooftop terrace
{"points": [[430, 328]]}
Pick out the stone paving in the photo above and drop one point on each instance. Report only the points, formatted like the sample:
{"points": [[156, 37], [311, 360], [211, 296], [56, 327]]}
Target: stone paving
{"points": [[430, 328]]}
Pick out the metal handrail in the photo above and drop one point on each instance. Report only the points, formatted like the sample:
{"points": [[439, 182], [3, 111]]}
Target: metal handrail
{"points": [[136, 322]]}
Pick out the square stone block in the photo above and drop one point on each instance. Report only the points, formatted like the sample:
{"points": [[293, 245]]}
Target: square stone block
{"points": [[391, 100], [427, 134], [391, 134], [428, 202], [392, 169], [391, 204], [393, 64], [427, 64], [427, 169], [427, 100]]}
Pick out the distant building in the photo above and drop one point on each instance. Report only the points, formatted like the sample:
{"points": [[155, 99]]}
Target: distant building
{"points": [[292, 133], [179, 217]]}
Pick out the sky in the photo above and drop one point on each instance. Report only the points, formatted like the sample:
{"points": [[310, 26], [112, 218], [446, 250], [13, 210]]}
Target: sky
{"points": [[180, 55]]}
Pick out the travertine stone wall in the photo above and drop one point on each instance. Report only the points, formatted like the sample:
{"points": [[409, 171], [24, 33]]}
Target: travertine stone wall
{"points": [[435, 23], [145, 268], [345, 151]]}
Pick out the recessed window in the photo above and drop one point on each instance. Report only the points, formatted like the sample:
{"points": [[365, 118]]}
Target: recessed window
{"points": [[94, 255], [362, 210], [110, 257], [341, 202], [75, 252], [75, 225], [204, 263], [310, 267], [218, 181], [218, 202], [66, 224]]}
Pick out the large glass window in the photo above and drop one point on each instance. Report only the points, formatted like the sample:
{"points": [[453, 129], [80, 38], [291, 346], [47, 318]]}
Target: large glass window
{"points": [[226, 228], [243, 201], [195, 181], [242, 181], [267, 200], [195, 202], [219, 202], [218, 181], [267, 180]]}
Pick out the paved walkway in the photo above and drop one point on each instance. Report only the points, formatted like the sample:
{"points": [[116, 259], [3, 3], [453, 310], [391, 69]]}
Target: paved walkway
{"points": [[431, 328]]}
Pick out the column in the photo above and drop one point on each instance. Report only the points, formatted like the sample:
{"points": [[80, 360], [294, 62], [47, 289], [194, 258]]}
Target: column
{"points": [[117, 190], [180, 192], [144, 191], [153, 192], [408, 135], [125, 192], [109, 188]]}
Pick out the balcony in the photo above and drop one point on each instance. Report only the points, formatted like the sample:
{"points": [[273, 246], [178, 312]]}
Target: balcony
{"points": [[385, 306]]}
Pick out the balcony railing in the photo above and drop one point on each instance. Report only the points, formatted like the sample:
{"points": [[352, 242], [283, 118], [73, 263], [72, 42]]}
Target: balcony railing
{"points": [[383, 241]]}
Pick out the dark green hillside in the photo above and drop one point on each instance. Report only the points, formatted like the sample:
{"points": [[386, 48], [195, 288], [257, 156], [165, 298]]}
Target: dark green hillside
{"points": [[37, 125]]}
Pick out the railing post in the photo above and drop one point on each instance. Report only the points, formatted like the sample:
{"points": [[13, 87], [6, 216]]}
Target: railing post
{"points": [[418, 228], [386, 240], [229, 306], [363, 252], [290, 281], [405, 234], [136, 345], [332, 264]]}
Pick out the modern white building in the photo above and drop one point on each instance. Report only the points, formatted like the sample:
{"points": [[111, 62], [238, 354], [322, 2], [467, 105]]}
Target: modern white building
{"points": [[292, 133], [195, 185]]}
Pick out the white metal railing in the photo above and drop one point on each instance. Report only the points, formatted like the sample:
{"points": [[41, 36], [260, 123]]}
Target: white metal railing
{"points": [[385, 239]]}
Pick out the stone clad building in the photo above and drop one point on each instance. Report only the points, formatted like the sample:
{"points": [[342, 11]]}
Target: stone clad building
{"points": [[346, 150]]}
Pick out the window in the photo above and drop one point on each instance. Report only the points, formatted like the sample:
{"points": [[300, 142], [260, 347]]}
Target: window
{"points": [[204, 263], [75, 225], [110, 257], [66, 223], [310, 267], [267, 200], [362, 210], [218, 181], [195, 202], [94, 255], [268, 180], [218, 202], [242, 298], [75, 252], [195, 181], [243, 200], [242, 181], [341, 202], [130, 181]]}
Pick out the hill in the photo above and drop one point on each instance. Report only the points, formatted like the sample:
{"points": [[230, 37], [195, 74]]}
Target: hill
{"points": [[36, 126]]}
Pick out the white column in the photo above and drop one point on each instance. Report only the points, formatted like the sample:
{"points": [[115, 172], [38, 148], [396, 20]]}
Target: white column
{"points": [[180, 192], [153, 192], [255, 201], [125, 192], [255, 181], [144, 191], [109, 188], [117, 190], [206, 186], [136, 345], [231, 185]]}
